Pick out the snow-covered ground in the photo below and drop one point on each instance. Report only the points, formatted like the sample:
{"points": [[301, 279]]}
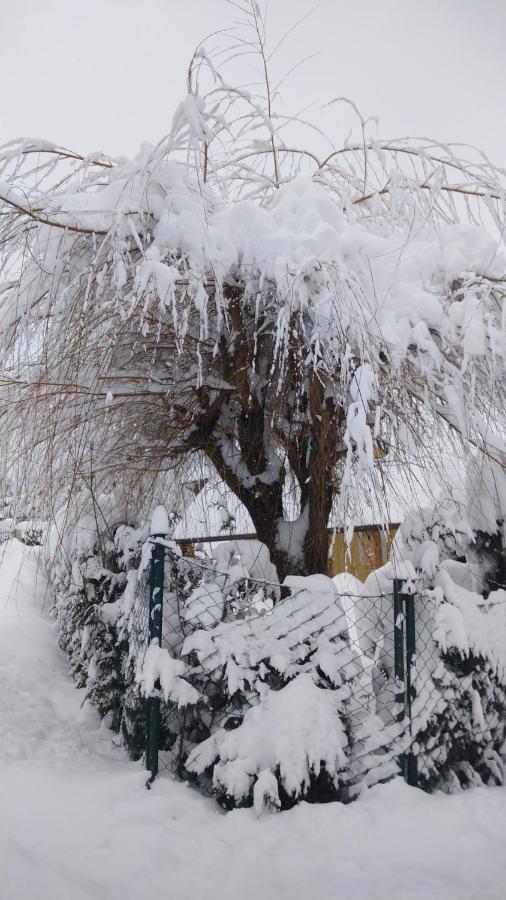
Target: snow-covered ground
{"points": [[76, 822]]}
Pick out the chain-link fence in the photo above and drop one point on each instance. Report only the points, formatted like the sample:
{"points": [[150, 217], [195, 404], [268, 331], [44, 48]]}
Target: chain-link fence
{"points": [[235, 634]]}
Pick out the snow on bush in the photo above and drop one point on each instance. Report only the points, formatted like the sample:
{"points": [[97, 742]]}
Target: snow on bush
{"points": [[158, 666], [459, 677], [100, 596], [293, 738], [278, 694], [312, 611], [91, 598], [467, 622], [264, 700]]}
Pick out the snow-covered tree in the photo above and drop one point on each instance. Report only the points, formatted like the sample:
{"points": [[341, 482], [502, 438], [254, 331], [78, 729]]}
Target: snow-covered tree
{"points": [[287, 311]]}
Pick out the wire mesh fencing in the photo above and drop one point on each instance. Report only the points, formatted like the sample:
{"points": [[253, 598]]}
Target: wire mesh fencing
{"points": [[237, 635], [139, 635]]}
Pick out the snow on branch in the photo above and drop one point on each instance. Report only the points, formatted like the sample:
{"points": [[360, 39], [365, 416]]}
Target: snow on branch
{"points": [[227, 288]]}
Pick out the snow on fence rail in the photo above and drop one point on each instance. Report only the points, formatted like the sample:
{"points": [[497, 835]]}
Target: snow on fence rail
{"points": [[221, 653]]}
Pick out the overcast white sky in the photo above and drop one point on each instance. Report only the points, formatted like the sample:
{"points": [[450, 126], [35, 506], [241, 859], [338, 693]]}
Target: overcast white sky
{"points": [[107, 74]]}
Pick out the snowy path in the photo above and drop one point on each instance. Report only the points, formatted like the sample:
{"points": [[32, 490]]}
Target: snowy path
{"points": [[76, 822]]}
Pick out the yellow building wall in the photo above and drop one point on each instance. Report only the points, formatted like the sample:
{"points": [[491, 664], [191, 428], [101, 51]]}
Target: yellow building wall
{"points": [[369, 549]]}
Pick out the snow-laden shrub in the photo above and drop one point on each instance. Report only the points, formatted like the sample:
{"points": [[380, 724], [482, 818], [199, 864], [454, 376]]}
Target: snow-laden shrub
{"points": [[459, 678], [100, 600], [276, 694], [460, 710], [92, 600], [291, 745], [83, 601], [257, 683]]}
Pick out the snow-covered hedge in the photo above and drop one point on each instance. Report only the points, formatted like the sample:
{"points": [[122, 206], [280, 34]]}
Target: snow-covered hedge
{"points": [[265, 701], [460, 709], [100, 600], [256, 690], [277, 691], [291, 745], [459, 702], [93, 599]]}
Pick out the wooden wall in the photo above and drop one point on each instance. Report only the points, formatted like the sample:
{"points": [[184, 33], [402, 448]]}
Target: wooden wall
{"points": [[370, 548]]}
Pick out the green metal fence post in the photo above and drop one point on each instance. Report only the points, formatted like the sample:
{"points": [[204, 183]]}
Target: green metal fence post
{"points": [[404, 654], [399, 651], [159, 529], [411, 772]]}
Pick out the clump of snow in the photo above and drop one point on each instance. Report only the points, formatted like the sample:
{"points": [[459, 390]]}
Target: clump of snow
{"points": [[160, 521], [421, 534], [202, 516], [265, 792], [159, 666], [468, 623], [486, 491]]}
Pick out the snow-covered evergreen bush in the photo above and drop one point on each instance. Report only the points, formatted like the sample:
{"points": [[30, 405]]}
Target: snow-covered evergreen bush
{"points": [[459, 678], [101, 602], [276, 691], [85, 604], [462, 741], [94, 602]]}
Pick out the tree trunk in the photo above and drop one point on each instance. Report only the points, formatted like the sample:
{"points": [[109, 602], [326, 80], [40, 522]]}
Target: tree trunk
{"points": [[299, 547], [237, 432]]}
